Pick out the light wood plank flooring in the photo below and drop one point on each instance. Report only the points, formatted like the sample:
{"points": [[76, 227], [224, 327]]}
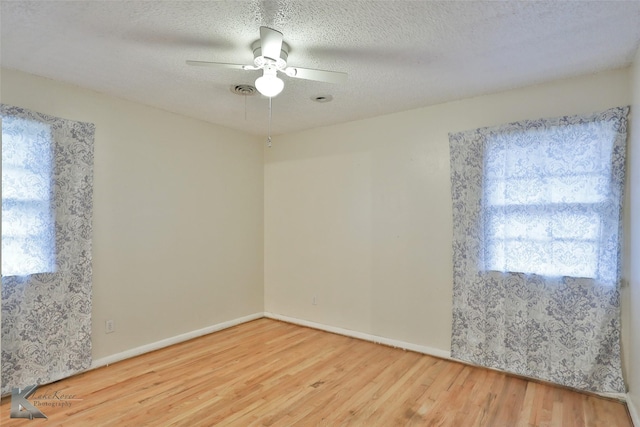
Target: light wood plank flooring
{"points": [[276, 374]]}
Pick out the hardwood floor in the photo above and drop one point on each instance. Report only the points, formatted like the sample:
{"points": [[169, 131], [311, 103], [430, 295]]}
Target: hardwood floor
{"points": [[276, 374]]}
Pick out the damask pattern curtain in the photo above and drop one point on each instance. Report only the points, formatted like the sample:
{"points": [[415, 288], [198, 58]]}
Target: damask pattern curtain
{"points": [[46, 314], [537, 211]]}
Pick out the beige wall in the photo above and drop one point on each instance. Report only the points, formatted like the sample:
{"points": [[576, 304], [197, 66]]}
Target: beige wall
{"points": [[633, 189], [178, 215], [359, 214]]}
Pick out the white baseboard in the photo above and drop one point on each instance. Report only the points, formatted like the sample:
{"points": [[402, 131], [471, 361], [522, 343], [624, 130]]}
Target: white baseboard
{"points": [[363, 336], [173, 340], [633, 411]]}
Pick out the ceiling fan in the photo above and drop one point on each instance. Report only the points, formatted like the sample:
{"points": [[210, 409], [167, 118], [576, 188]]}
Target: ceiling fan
{"points": [[270, 55]]}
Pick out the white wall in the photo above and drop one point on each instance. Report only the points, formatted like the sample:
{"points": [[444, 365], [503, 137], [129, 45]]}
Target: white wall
{"points": [[633, 190], [359, 214], [178, 215]]}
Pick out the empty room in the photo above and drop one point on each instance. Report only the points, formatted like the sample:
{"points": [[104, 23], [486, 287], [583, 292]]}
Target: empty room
{"points": [[320, 213]]}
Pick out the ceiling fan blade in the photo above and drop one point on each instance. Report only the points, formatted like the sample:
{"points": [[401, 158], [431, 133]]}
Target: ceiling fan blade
{"points": [[317, 75], [219, 65], [270, 43]]}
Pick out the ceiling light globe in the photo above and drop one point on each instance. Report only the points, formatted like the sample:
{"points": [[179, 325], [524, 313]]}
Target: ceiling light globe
{"points": [[269, 85]]}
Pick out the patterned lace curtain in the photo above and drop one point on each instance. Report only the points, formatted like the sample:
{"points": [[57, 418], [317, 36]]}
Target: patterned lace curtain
{"points": [[537, 209], [47, 190]]}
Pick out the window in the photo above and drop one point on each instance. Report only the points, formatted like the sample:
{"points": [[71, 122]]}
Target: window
{"points": [[536, 247], [546, 194], [28, 225]]}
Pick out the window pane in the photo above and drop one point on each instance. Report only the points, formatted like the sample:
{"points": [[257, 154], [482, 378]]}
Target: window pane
{"points": [[575, 258], [544, 194], [28, 227], [578, 188], [19, 183]]}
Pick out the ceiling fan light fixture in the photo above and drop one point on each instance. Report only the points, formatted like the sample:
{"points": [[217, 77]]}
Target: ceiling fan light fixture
{"points": [[269, 84]]}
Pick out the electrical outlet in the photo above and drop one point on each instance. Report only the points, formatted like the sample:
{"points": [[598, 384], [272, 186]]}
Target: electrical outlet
{"points": [[109, 326], [314, 301]]}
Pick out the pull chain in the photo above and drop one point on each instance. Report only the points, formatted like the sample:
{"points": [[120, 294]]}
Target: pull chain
{"points": [[269, 138]]}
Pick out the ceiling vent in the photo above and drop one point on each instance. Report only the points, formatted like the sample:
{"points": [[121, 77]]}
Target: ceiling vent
{"points": [[244, 90]]}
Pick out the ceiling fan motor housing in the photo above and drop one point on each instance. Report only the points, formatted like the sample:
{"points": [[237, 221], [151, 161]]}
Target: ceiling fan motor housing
{"points": [[259, 60]]}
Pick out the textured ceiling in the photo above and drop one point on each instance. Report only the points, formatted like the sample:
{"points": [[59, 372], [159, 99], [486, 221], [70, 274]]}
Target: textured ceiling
{"points": [[399, 54]]}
